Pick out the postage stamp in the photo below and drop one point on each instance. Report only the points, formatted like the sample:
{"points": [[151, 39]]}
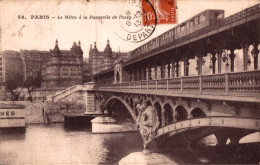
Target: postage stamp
{"points": [[134, 29], [165, 12]]}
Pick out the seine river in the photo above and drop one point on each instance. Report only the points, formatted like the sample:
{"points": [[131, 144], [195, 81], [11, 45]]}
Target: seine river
{"points": [[53, 144]]}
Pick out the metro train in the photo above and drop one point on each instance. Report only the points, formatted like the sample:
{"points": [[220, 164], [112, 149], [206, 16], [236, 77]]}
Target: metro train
{"points": [[197, 22]]}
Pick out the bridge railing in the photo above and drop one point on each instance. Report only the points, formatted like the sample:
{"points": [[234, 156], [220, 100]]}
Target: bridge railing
{"points": [[234, 84]]}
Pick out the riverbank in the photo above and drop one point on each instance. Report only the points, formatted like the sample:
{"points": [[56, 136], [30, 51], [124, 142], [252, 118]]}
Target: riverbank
{"points": [[38, 112]]}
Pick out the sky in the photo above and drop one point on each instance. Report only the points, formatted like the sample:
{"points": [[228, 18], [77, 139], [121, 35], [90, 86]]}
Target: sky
{"points": [[40, 34]]}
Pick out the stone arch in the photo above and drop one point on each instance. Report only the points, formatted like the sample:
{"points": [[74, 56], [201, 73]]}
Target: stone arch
{"points": [[197, 113], [181, 113], [168, 114], [158, 108], [127, 106], [149, 102]]}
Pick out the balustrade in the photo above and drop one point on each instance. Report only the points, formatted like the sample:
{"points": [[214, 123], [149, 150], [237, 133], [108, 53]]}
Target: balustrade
{"points": [[191, 84], [233, 84]]}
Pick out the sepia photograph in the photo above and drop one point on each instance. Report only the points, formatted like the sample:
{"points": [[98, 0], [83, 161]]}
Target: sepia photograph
{"points": [[129, 82]]}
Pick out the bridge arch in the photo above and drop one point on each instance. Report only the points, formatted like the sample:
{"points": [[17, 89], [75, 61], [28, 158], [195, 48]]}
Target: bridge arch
{"points": [[127, 106], [158, 108], [197, 113], [181, 113], [168, 114]]}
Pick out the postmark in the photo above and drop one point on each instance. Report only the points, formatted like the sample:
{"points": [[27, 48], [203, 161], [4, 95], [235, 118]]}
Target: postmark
{"points": [[136, 29], [165, 11]]}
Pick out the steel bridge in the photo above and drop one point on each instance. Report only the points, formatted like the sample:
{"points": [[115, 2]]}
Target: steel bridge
{"points": [[156, 87]]}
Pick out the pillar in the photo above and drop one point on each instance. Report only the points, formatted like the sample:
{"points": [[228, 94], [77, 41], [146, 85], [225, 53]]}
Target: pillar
{"points": [[199, 65], [149, 72], [135, 73], [186, 66], [177, 69], [213, 59], [173, 67], [219, 54], [162, 70], [144, 72], [255, 53], [155, 71], [169, 70], [245, 55], [232, 57]]}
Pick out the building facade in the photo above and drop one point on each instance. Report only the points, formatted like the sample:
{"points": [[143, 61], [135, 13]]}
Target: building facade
{"points": [[11, 68], [64, 68], [33, 61], [102, 60]]}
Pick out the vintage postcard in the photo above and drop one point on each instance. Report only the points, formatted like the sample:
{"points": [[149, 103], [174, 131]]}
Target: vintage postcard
{"points": [[129, 82]]}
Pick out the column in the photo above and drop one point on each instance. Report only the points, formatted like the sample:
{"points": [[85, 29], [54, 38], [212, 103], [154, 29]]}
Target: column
{"points": [[219, 54], [213, 59], [255, 53], [162, 70], [186, 66], [245, 55], [135, 73], [232, 57], [200, 65], [149, 72], [145, 66], [155, 71], [141, 72], [173, 67], [177, 69], [169, 70]]}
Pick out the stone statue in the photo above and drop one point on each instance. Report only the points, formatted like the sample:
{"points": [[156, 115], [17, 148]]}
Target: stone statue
{"points": [[147, 121]]}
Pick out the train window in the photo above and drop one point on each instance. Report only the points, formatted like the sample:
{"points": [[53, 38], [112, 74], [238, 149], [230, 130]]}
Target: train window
{"points": [[196, 20], [220, 16], [191, 23], [202, 17], [183, 26]]}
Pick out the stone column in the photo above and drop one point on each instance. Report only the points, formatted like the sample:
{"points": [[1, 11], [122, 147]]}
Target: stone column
{"points": [[155, 71], [144, 72], [162, 70], [149, 71], [219, 54], [232, 57], [200, 65], [186, 66], [135, 73], [169, 70], [177, 68], [255, 53], [245, 55], [173, 67], [213, 59]]}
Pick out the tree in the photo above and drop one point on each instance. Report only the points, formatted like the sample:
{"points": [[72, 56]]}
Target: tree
{"points": [[32, 82], [13, 82]]}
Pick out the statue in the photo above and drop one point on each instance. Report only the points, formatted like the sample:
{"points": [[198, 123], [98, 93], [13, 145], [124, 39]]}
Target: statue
{"points": [[147, 122]]}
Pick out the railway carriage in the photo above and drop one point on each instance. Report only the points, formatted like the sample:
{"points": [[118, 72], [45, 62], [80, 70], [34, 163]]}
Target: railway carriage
{"points": [[199, 21]]}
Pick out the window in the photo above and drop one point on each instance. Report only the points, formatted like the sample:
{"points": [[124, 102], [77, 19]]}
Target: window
{"points": [[196, 20], [202, 17], [183, 27], [191, 23]]}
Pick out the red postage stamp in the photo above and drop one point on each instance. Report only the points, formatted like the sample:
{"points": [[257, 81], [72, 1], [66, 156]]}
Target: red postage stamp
{"points": [[161, 12]]}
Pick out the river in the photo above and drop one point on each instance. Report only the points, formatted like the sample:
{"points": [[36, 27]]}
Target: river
{"points": [[53, 144]]}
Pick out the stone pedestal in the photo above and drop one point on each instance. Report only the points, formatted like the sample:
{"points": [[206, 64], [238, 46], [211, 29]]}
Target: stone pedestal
{"points": [[110, 125], [142, 159]]}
